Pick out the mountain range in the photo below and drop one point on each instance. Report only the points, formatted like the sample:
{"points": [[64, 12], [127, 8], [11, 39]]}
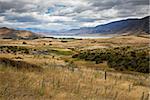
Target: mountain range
{"points": [[123, 27], [129, 26]]}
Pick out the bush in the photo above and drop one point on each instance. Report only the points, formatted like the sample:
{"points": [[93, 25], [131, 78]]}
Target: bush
{"points": [[120, 58], [14, 49], [24, 42]]}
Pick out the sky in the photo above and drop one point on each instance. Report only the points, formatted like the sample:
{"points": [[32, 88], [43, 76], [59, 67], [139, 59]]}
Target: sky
{"points": [[68, 14]]}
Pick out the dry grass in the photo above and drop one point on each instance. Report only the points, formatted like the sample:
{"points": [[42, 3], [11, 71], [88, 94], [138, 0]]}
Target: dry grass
{"points": [[80, 44], [20, 65], [57, 83], [64, 78]]}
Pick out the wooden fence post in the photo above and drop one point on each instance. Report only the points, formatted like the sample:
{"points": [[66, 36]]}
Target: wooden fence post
{"points": [[142, 97], [147, 97], [105, 75], [129, 87]]}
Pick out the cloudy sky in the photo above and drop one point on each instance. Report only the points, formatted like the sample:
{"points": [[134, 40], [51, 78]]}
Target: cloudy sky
{"points": [[68, 14]]}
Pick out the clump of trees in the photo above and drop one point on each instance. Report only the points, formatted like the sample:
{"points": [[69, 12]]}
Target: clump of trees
{"points": [[120, 58]]}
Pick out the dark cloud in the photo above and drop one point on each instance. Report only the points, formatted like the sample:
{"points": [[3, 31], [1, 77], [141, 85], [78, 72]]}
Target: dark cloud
{"points": [[22, 19], [138, 2], [105, 5], [108, 4], [16, 6]]}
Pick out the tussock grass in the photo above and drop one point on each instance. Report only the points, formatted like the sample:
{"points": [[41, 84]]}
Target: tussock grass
{"points": [[56, 83], [20, 64]]}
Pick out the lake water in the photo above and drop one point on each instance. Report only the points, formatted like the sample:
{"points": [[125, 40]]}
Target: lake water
{"points": [[79, 37]]}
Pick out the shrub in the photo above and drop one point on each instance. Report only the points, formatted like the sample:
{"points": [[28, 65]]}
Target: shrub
{"points": [[120, 58], [14, 49], [24, 42]]}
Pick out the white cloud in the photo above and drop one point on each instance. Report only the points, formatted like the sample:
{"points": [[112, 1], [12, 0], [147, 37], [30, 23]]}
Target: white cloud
{"points": [[2, 18]]}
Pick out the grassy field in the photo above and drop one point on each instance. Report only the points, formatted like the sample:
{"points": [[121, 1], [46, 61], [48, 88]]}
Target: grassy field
{"points": [[43, 69]]}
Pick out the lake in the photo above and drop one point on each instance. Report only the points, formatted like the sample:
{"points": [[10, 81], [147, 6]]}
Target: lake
{"points": [[79, 37]]}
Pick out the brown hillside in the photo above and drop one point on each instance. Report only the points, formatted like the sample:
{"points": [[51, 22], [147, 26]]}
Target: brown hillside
{"points": [[16, 34]]}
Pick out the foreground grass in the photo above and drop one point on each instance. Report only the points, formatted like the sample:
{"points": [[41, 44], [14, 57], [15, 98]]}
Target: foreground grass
{"points": [[57, 83]]}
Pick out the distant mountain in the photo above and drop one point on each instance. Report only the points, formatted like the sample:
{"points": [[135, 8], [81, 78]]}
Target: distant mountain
{"points": [[38, 30], [17, 34], [128, 26]]}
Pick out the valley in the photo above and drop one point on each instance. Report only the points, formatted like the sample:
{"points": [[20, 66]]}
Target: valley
{"points": [[45, 68]]}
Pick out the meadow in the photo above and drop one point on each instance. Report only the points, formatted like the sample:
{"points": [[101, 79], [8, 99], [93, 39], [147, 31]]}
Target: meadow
{"points": [[53, 69]]}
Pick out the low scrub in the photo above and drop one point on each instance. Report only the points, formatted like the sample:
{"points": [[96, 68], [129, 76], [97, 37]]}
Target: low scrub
{"points": [[120, 58], [14, 49]]}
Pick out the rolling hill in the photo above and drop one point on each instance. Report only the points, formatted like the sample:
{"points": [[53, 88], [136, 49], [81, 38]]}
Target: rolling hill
{"points": [[128, 26], [7, 33]]}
